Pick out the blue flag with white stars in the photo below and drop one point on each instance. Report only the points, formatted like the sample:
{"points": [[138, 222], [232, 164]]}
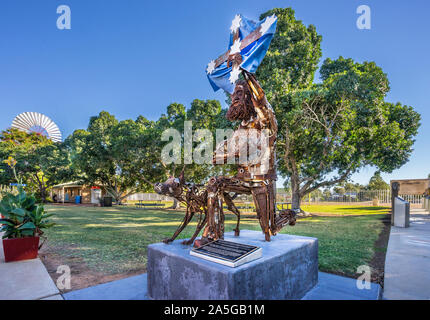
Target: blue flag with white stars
{"points": [[252, 42]]}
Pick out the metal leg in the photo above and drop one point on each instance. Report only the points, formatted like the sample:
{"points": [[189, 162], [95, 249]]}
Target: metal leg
{"points": [[231, 206], [200, 226], [188, 216], [212, 203], [261, 204]]}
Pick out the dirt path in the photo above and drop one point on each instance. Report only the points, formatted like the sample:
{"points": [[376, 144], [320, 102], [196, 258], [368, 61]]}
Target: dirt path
{"points": [[81, 275], [378, 261]]}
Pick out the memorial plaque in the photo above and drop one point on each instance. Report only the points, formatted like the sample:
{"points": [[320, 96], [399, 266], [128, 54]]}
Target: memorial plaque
{"points": [[228, 253]]}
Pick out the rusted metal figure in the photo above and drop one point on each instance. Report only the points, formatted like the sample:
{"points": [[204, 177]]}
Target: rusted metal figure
{"points": [[195, 198], [257, 178], [250, 106]]}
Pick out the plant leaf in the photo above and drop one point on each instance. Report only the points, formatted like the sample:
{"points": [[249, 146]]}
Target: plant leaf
{"points": [[7, 221], [27, 225], [19, 212], [4, 210], [27, 232]]}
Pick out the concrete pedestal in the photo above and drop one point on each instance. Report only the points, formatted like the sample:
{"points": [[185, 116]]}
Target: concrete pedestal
{"points": [[288, 269]]}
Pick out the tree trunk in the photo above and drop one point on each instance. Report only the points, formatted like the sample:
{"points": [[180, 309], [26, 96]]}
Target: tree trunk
{"points": [[43, 195], [117, 198], [42, 188], [176, 204], [295, 201], [112, 192], [297, 196], [295, 193]]}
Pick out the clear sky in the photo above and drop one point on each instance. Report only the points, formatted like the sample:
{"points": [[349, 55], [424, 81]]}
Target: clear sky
{"points": [[135, 57]]}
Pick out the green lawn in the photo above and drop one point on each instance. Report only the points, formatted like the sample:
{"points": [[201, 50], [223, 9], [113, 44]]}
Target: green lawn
{"points": [[341, 209], [337, 209], [114, 240]]}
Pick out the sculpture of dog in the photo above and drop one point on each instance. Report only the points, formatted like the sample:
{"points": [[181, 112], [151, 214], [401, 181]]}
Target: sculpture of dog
{"points": [[196, 200]]}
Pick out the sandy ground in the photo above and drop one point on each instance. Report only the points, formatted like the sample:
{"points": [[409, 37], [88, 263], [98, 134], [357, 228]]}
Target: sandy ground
{"points": [[82, 276]]}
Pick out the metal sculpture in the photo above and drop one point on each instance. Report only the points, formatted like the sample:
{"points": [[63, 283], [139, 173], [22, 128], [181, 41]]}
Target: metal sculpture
{"points": [[248, 45], [196, 199], [37, 123]]}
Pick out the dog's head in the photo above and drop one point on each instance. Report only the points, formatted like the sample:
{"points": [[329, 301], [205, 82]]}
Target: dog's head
{"points": [[172, 187]]}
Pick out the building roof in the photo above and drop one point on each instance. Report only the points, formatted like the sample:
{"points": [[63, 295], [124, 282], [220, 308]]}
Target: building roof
{"points": [[412, 180], [74, 184]]}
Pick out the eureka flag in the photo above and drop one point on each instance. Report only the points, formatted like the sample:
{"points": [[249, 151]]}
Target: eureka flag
{"points": [[252, 43]]}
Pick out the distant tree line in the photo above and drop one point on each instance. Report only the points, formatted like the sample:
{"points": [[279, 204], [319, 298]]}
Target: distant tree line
{"points": [[122, 156]]}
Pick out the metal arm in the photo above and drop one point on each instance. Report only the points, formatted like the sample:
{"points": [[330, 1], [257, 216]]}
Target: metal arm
{"points": [[261, 105]]}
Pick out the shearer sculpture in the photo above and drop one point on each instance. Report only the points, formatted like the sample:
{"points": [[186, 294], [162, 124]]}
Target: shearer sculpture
{"points": [[252, 146]]}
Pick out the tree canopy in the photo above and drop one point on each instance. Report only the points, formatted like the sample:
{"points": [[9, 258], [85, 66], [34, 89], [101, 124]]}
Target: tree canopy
{"points": [[334, 127], [118, 155], [40, 162], [202, 114], [377, 183]]}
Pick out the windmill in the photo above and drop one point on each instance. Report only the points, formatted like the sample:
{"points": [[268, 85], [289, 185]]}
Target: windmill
{"points": [[37, 123]]}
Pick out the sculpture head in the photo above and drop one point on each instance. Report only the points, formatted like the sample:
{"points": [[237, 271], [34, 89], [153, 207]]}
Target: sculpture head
{"points": [[241, 107], [172, 187]]}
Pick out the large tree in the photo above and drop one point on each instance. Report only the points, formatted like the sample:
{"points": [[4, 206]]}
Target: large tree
{"points": [[208, 114], [376, 182], [331, 129], [41, 163], [203, 114], [118, 155]]}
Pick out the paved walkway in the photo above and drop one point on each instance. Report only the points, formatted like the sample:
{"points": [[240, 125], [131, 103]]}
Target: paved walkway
{"points": [[334, 287], [26, 280], [132, 288], [329, 287], [407, 264]]}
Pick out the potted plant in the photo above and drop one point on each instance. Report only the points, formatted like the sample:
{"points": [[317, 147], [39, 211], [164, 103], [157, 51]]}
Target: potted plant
{"points": [[22, 222]]}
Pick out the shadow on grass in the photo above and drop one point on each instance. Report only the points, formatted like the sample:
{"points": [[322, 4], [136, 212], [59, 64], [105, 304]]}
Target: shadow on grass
{"points": [[363, 208]]}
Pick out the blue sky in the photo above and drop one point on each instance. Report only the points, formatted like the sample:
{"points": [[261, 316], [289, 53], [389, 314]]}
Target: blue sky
{"points": [[135, 57]]}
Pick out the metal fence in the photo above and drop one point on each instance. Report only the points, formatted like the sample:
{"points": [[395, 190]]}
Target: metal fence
{"points": [[148, 197], [374, 197], [413, 198], [380, 197]]}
